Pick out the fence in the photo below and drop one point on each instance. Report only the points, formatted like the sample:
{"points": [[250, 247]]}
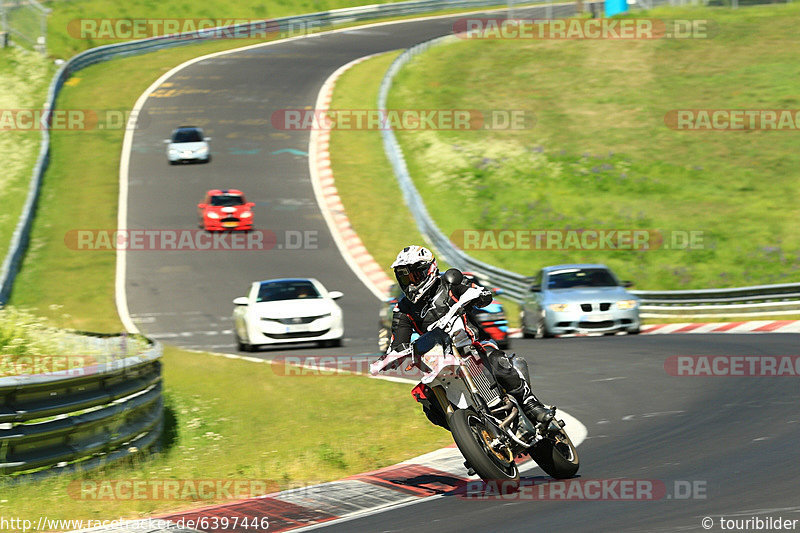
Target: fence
{"points": [[80, 418], [26, 22]]}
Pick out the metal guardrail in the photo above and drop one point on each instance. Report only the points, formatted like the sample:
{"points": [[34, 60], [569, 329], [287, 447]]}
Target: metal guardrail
{"points": [[21, 236], [758, 300], [80, 418], [745, 301]]}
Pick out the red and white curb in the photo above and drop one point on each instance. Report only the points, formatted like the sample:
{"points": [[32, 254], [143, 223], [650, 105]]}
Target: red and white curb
{"points": [[752, 326], [319, 164], [433, 475]]}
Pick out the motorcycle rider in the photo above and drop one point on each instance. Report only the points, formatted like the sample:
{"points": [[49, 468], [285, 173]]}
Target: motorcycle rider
{"points": [[427, 297]]}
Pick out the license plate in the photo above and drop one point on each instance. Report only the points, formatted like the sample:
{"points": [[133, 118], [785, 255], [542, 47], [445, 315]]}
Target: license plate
{"points": [[598, 318], [230, 224]]}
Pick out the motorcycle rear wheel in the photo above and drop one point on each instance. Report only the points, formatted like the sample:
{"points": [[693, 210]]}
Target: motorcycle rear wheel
{"points": [[556, 455], [469, 431]]}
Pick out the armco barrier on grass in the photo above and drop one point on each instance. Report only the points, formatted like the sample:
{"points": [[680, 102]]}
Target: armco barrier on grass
{"points": [[81, 419]]}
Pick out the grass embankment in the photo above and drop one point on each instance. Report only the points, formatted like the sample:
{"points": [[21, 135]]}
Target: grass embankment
{"points": [[237, 420], [24, 77], [601, 157]]}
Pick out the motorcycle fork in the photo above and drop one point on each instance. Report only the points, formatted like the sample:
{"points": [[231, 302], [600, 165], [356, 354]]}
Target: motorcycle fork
{"points": [[441, 396]]}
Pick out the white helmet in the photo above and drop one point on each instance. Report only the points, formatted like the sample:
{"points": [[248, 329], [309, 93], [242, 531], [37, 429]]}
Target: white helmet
{"points": [[416, 271]]}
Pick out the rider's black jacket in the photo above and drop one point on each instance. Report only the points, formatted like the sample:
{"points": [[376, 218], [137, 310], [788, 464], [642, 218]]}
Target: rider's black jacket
{"points": [[409, 318]]}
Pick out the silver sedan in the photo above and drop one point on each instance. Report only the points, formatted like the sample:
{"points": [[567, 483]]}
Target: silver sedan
{"points": [[187, 143], [581, 298]]}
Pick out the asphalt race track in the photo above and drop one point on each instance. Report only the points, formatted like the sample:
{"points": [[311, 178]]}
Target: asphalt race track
{"points": [[184, 297], [734, 439]]}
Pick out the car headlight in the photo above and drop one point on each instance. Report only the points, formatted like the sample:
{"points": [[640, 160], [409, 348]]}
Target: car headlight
{"points": [[558, 308], [246, 214], [173, 151], [212, 214], [202, 150], [626, 304]]}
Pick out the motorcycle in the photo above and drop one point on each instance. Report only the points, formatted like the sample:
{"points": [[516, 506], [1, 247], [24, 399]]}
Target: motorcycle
{"points": [[488, 425]]}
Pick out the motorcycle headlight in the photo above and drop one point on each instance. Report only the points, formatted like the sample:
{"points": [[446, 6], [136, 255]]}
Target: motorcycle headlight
{"points": [[558, 308], [246, 214], [212, 214], [626, 304]]}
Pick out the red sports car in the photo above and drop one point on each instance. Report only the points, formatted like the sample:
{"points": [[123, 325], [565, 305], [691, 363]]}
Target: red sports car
{"points": [[225, 210]]}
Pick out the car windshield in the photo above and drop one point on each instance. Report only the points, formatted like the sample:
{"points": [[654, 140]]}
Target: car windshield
{"points": [[187, 136], [580, 277], [274, 291], [226, 200]]}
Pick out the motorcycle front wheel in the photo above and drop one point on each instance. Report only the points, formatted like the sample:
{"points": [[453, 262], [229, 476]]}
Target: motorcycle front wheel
{"points": [[473, 440]]}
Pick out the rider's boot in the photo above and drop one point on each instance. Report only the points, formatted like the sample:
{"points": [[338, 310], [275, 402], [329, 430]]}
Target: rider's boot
{"points": [[533, 408]]}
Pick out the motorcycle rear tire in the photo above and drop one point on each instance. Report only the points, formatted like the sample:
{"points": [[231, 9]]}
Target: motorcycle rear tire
{"points": [[556, 455]]}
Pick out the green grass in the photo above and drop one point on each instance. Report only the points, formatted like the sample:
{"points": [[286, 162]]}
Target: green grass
{"points": [[601, 157], [24, 77], [238, 420]]}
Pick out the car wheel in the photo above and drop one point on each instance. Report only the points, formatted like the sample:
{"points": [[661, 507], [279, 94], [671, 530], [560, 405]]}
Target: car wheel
{"points": [[634, 331], [173, 162], [243, 346], [541, 329], [525, 333], [331, 343]]}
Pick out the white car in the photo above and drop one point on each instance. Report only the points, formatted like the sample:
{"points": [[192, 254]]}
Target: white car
{"points": [[287, 310], [187, 143]]}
